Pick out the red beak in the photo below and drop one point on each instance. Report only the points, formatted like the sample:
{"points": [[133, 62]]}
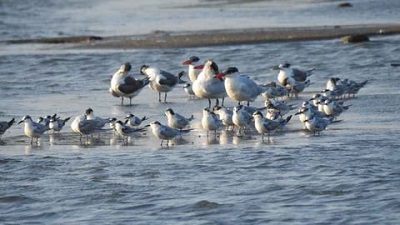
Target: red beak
{"points": [[187, 62], [219, 76], [199, 67]]}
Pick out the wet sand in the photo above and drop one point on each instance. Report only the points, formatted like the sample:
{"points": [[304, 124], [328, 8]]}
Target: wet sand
{"points": [[165, 39]]}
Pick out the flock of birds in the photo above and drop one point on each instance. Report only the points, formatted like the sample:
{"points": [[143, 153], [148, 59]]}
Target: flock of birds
{"points": [[206, 81]]}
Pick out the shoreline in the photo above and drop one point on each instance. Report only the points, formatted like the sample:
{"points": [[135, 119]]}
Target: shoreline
{"points": [[181, 39]]}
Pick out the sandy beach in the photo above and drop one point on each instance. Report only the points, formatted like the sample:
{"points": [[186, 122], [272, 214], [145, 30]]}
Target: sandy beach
{"points": [[165, 39]]}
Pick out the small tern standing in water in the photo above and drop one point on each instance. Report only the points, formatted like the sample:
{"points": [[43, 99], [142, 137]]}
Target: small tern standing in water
{"points": [[317, 124], [176, 120], [286, 71], [210, 121], [241, 118], [164, 132], [126, 131], [334, 108], [160, 80], [83, 126], [264, 125], [125, 85], [56, 124], [189, 90], [33, 129], [225, 115], [133, 120], [100, 122]]}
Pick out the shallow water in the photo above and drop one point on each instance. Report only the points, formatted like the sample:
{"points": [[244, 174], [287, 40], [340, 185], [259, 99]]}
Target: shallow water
{"points": [[348, 175]]}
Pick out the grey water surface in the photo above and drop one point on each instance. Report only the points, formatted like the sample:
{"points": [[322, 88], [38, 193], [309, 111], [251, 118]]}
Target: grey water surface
{"points": [[349, 174]]}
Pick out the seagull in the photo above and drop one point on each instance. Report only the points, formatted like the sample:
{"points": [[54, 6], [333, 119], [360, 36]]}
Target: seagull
{"points": [[4, 125], [160, 80], [33, 129], [125, 85], [225, 115], [164, 132], [100, 122], [133, 120], [207, 85], [241, 118], [176, 120], [56, 124], [126, 131], [286, 71], [240, 87], [264, 125], [210, 121]]}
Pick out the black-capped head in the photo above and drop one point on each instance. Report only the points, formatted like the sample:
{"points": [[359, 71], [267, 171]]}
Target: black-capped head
{"points": [[256, 113], [126, 67], [143, 69], [194, 59], [89, 111], [214, 67], [230, 70], [170, 111]]}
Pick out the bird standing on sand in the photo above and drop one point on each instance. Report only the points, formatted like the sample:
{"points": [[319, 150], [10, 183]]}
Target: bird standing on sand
{"points": [[164, 132], [126, 131], [100, 122], [33, 129], [133, 120], [125, 85], [56, 124], [240, 87], [286, 71], [241, 118], [210, 121], [160, 80], [207, 85], [176, 120], [192, 62], [264, 125]]}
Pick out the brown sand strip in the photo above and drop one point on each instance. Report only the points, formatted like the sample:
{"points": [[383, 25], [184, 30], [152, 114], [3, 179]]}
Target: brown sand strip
{"points": [[163, 39], [57, 40]]}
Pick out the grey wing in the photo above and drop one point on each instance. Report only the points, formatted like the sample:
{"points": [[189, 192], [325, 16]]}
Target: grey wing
{"points": [[132, 85], [3, 126], [299, 75], [39, 128], [168, 132], [182, 119], [168, 78], [87, 126]]}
